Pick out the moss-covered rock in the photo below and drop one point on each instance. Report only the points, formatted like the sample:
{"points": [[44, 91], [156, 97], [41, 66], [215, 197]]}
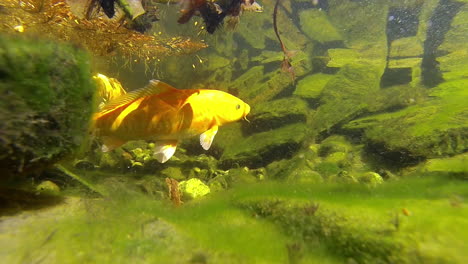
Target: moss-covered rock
{"points": [[454, 65], [251, 23], [312, 85], [406, 47], [435, 128], [311, 222], [453, 165], [363, 27], [193, 188], [273, 114], [47, 101], [174, 173], [315, 24], [350, 93], [256, 85], [334, 144], [262, 148], [48, 187], [371, 179], [341, 57]]}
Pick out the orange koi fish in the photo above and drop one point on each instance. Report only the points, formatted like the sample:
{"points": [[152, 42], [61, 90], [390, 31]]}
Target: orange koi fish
{"points": [[166, 115]]}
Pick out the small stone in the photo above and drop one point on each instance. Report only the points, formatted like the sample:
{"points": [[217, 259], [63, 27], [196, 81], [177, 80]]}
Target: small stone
{"points": [[371, 178], [48, 187], [193, 188]]}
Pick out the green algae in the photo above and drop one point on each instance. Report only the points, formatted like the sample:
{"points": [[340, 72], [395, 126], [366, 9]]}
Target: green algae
{"points": [[431, 129], [263, 223], [276, 113], [348, 94], [46, 105], [453, 165], [261, 148], [453, 65], [311, 86], [309, 20], [363, 27]]}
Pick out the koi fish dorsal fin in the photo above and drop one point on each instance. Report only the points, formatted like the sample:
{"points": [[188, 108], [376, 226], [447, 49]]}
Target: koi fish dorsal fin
{"points": [[154, 87]]}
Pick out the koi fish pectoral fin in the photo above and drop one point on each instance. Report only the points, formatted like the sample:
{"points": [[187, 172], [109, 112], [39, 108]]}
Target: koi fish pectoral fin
{"points": [[164, 150], [111, 143], [206, 138]]}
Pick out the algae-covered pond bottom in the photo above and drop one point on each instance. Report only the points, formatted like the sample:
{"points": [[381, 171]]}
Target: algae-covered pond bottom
{"points": [[412, 220]]}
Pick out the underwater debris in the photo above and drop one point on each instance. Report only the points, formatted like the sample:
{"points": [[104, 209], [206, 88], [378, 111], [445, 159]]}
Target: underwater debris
{"points": [[103, 37], [137, 15], [108, 7], [174, 193], [286, 65], [81, 180], [214, 12]]}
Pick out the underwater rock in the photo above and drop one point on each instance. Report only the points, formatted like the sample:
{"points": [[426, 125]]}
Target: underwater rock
{"points": [[328, 169], [215, 62], [434, 128], [272, 83], [174, 173], [334, 144], [47, 101], [251, 24], [193, 188], [343, 176], [111, 160], [343, 232], [291, 35], [326, 32], [366, 35], [311, 86], [273, 114], [349, 93], [406, 47], [341, 57], [48, 187], [298, 170], [262, 148], [454, 65], [236, 176], [457, 165], [371, 179], [413, 63], [245, 175], [305, 176]]}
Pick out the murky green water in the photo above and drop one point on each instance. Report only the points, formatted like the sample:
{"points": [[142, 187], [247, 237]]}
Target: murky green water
{"points": [[356, 152]]}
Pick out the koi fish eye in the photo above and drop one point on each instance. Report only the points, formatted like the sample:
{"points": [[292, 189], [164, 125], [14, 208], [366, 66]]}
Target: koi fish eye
{"points": [[238, 106]]}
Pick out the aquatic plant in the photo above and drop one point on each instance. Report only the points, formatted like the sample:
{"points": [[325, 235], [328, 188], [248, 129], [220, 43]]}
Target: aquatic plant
{"points": [[104, 37]]}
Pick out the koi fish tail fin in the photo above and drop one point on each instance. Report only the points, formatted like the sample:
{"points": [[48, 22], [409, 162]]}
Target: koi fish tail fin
{"points": [[164, 150]]}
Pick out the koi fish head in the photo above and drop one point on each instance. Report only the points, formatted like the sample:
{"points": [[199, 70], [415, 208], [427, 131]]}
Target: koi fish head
{"points": [[225, 108]]}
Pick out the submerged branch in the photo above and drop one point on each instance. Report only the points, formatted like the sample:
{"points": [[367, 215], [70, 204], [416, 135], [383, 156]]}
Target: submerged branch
{"points": [[286, 65]]}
